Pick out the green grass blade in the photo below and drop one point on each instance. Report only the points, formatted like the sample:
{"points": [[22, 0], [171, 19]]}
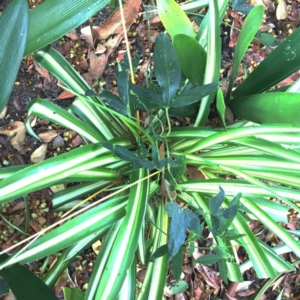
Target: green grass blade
{"points": [[13, 28], [278, 65], [268, 108], [51, 20], [249, 29]]}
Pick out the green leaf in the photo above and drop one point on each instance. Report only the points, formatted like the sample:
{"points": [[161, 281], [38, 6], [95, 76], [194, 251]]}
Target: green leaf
{"points": [[166, 68], [216, 202], [175, 171], [209, 259], [192, 58], [221, 107], [111, 100], [145, 98], [72, 293], [249, 29], [179, 287], [278, 65], [13, 28], [161, 251], [177, 261], [50, 20], [25, 284], [4, 289], [266, 38], [174, 19], [181, 219], [223, 270], [196, 94], [277, 107]]}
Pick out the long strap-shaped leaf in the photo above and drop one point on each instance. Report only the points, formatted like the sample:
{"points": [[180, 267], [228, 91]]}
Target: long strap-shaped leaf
{"points": [[13, 28], [48, 172], [279, 64], [125, 244], [270, 108], [213, 62], [51, 20], [90, 222], [249, 29]]}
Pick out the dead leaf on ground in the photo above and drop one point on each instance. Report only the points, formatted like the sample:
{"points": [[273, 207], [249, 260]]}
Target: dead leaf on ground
{"points": [[113, 24], [73, 35], [237, 22], [18, 220], [39, 154], [77, 141], [88, 78], [100, 49], [96, 247], [210, 276], [97, 65], [48, 136], [270, 5], [17, 104], [281, 11], [65, 95], [3, 112], [87, 34], [18, 206], [43, 72], [35, 225]]}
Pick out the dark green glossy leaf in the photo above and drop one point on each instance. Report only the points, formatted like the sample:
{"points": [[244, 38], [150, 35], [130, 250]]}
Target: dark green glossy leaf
{"points": [[13, 28], [266, 38], [50, 20], [242, 6], [177, 261], [277, 107], [166, 68], [279, 64], [192, 58], [145, 98], [161, 251], [216, 202], [181, 219], [209, 259], [176, 170], [25, 284], [4, 289], [111, 100], [194, 95]]}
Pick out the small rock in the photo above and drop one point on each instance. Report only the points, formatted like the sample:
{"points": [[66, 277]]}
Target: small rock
{"points": [[58, 142]]}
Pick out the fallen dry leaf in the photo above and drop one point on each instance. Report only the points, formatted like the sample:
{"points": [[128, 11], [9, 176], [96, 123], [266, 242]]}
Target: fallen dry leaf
{"points": [[77, 141], [48, 136], [97, 64], [210, 276], [113, 24], [39, 154], [100, 49], [237, 22], [18, 220], [18, 206], [65, 95], [73, 35], [3, 112], [87, 34], [35, 225], [43, 72], [96, 247], [270, 5], [281, 11]]}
